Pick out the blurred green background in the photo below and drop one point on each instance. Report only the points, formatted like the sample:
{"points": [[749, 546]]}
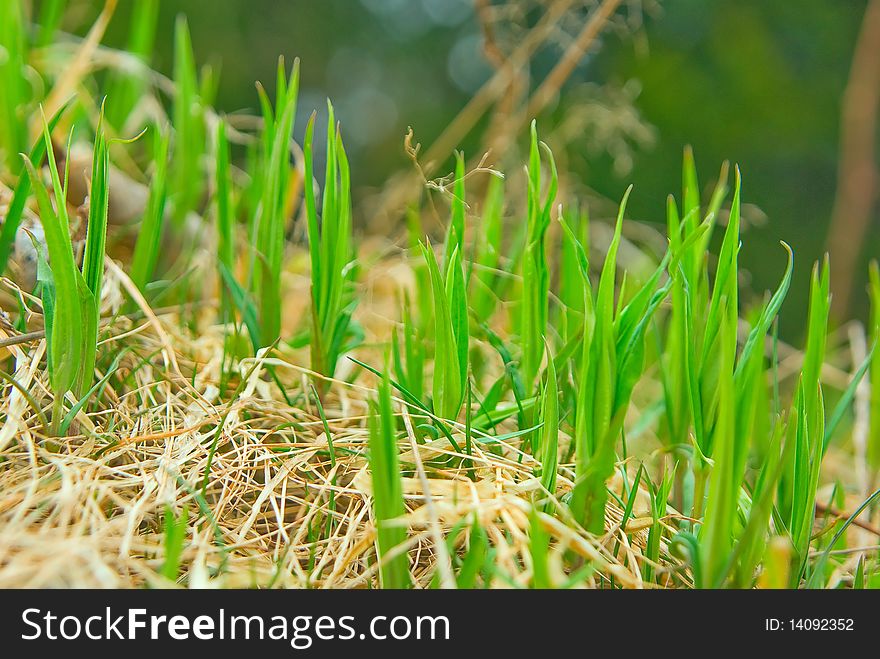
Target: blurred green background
{"points": [[756, 82]]}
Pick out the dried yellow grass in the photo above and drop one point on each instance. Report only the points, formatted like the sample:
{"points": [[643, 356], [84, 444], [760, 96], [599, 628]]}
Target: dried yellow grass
{"points": [[87, 510]]}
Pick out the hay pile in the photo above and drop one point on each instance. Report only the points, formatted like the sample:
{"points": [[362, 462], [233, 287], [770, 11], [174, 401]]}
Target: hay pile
{"points": [[87, 510]]}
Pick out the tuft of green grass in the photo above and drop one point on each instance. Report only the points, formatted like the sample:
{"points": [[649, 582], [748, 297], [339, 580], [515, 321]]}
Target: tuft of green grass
{"points": [[331, 249], [611, 360], [738, 453], [722, 419], [62, 286], [450, 334], [71, 298], [267, 230], [681, 368], [797, 496], [535, 272], [716, 533]]}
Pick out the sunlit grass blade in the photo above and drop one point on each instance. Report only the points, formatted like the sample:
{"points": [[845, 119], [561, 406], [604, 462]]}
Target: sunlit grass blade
{"points": [[535, 272], [570, 284], [674, 364], [723, 303], [846, 399], [801, 479], [388, 504], [549, 433], [244, 303], [691, 260], [269, 225], [93, 258], [176, 527]]}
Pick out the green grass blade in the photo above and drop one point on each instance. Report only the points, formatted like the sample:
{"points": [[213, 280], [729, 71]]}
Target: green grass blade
{"points": [[189, 129], [175, 537], [549, 443], [146, 249], [13, 81], [448, 387], [224, 213], [475, 557], [388, 504], [331, 249], [539, 548], [51, 13], [455, 233], [93, 258], [535, 272], [716, 533]]}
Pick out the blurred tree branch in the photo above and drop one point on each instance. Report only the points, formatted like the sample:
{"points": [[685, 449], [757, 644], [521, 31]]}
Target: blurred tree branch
{"points": [[857, 175], [548, 91], [505, 95]]}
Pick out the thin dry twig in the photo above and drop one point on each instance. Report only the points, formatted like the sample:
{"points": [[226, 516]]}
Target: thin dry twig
{"points": [[857, 167]]}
